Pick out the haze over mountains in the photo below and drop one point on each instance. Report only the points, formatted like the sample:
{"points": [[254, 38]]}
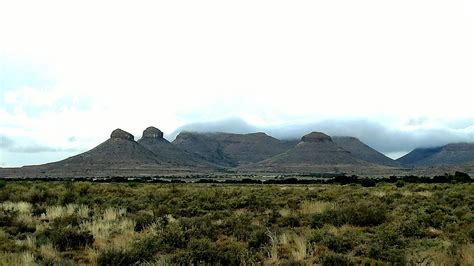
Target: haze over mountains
{"points": [[192, 153]]}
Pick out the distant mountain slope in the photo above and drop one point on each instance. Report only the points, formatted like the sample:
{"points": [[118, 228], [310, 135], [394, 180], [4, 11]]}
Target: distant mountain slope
{"points": [[118, 156], [119, 149], [417, 155], [203, 146], [364, 152], [451, 154], [315, 152], [164, 151], [232, 149]]}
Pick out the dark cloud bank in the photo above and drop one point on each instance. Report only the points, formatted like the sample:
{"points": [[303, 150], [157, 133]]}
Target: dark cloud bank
{"points": [[374, 134]]}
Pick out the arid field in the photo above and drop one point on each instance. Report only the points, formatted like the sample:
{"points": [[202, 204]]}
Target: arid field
{"points": [[65, 223]]}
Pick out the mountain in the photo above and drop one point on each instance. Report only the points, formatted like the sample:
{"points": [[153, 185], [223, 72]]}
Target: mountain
{"points": [[203, 146], [315, 152], [152, 139], [450, 154], [364, 152], [120, 155], [231, 150], [120, 148]]}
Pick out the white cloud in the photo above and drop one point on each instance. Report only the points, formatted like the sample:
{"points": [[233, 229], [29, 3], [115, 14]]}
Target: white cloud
{"points": [[269, 62]]}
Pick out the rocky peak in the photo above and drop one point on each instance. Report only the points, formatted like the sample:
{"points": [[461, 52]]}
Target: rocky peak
{"points": [[316, 137], [121, 134], [152, 133]]}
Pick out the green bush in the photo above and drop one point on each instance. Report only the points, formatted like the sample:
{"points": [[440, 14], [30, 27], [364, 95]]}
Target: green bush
{"points": [[336, 260], [358, 214], [290, 221], [342, 243], [318, 220], [412, 228], [206, 252], [387, 245], [202, 251], [400, 183], [3, 183], [117, 257], [142, 220], [7, 217], [173, 237], [258, 240], [69, 238]]}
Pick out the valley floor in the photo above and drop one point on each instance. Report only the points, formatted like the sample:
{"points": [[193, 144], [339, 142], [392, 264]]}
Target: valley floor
{"points": [[64, 222]]}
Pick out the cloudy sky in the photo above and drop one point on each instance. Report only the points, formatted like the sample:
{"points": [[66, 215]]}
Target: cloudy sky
{"points": [[397, 74]]}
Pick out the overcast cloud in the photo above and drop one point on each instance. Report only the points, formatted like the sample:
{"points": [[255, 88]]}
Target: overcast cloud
{"points": [[397, 74], [386, 140]]}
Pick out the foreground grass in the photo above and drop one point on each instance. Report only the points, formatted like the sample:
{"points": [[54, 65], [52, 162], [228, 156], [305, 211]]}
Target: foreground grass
{"points": [[120, 224]]}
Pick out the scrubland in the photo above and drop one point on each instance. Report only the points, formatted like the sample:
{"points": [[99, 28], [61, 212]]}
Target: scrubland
{"points": [[63, 223]]}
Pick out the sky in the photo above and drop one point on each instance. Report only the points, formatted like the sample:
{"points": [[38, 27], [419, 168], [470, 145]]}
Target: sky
{"points": [[396, 74]]}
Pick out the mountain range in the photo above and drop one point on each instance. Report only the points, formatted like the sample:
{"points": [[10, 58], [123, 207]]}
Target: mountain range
{"points": [[194, 153]]}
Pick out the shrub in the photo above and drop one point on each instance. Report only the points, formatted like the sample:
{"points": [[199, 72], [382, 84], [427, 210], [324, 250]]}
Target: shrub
{"points": [[387, 245], [470, 234], [173, 237], [358, 214], [143, 220], [3, 183], [202, 250], [117, 257], [318, 220], [336, 260], [462, 177], [206, 252], [290, 221], [69, 239], [258, 240], [338, 243], [199, 227], [367, 182], [412, 228], [400, 183], [7, 216]]}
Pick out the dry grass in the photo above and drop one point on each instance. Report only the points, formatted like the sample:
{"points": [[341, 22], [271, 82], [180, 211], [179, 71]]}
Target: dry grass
{"points": [[299, 248], [112, 214], [27, 258], [54, 212], [21, 207], [313, 207], [342, 229], [287, 244], [7, 259], [11, 259], [47, 251], [379, 194], [111, 228], [467, 254], [284, 212], [426, 194], [92, 255]]}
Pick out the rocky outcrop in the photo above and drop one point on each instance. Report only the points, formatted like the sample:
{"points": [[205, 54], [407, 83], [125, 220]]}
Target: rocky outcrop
{"points": [[164, 151], [316, 137], [121, 134], [152, 133]]}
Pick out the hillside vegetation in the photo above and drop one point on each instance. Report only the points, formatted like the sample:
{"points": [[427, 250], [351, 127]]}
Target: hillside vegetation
{"points": [[134, 223]]}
